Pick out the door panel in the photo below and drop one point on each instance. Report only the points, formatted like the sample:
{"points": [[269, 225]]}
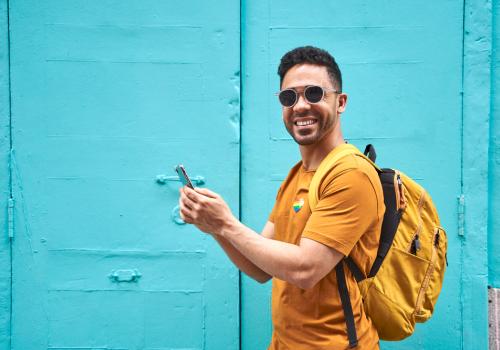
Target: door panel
{"points": [[105, 97], [5, 271], [402, 68], [494, 160]]}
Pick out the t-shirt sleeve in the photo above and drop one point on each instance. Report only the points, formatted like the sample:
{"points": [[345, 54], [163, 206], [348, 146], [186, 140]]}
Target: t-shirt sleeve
{"points": [[273, 212], [346, 209]]}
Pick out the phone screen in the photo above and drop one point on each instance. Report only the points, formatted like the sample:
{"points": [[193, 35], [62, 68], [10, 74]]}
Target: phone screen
{"points": [[183, 176]]}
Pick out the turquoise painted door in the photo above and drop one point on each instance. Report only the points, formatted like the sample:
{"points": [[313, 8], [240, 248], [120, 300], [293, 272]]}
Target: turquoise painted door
{"points": [[402, 69], [106, 96]]}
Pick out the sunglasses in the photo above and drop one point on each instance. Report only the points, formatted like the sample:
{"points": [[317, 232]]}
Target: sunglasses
{"points": [[312, 94]]}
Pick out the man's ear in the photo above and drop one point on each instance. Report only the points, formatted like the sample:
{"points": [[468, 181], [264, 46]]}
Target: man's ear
{"points": [[342, 102]]}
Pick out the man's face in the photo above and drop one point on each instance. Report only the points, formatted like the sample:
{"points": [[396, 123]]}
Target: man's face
{"points": [[321, 117]]}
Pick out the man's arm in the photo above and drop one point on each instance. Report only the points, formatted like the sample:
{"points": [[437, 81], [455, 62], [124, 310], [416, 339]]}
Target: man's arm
{"points": [[241, 261], [302, 265]]}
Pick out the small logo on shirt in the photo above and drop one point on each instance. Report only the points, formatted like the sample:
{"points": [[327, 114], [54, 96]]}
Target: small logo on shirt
{"points": [[297, 205]]}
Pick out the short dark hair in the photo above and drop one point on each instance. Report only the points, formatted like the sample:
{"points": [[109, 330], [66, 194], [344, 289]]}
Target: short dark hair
{"points": [[311, 55]]}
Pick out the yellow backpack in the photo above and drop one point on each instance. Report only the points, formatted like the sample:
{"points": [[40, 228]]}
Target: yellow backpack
{"points": [[407, 275]]}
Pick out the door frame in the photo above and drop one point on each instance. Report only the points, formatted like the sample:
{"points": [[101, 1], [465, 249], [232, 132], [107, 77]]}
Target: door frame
{"points": [[5, 182], [476, 106]]}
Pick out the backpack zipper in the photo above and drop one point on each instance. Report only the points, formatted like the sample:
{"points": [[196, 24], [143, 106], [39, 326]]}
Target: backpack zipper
{"points": [[397, 184], [415, 245], [415, 241], [400, 197], [428, 273]]}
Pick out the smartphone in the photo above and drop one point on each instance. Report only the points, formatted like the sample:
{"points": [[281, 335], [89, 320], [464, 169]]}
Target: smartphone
{"points": [[183, 176]]}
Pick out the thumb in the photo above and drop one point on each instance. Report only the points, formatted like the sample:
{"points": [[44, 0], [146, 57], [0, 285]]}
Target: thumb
{"points": [[206, 192]]}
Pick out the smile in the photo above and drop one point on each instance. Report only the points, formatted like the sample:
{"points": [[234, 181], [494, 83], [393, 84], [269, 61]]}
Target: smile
{"points": [[305, 122]]}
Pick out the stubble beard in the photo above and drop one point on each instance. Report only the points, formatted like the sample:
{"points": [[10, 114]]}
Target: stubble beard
{"points": [[323, 128]]}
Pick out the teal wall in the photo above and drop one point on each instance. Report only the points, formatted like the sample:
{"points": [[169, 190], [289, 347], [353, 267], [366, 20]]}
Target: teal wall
{"points": [[4, 180], [494, 156], [475, 121], [417, 82], [105, 97]]}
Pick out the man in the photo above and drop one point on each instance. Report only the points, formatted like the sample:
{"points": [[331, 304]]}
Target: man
{"points": [[297, 248]]}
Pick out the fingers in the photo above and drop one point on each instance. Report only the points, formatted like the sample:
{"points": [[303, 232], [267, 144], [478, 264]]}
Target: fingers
{"points": [[206, 192], [191, 194], [186, 207], [192, 201], [200, 196], [185, 212], [185, 216], [188, 199]]}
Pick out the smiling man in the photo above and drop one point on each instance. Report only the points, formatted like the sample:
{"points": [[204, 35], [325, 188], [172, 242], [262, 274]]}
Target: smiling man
{"points": [[299, 248]]}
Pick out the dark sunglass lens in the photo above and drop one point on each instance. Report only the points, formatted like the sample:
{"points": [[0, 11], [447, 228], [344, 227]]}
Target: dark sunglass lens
{"points": [[313, 94], [287, 97]]}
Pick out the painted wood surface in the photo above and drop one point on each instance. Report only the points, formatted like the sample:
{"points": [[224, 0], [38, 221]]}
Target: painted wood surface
{"points": [[402, 69], [4, 180], [494, 156], [106, 96], [476, 112]]}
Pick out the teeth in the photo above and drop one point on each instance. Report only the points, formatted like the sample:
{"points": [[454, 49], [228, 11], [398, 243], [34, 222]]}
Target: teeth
{"points": [[304, 122]]}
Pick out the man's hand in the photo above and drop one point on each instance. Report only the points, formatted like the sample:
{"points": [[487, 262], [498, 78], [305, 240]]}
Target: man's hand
{"points": [[205, 209], [302, 265]]}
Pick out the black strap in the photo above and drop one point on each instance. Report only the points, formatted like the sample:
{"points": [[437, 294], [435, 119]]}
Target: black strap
{"points": [[356, 271], [370, 152], [346, 305], [392, 217]]}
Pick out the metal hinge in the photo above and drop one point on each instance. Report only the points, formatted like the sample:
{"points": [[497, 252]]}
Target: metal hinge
{"points": [[461, 215], [10, 214]]}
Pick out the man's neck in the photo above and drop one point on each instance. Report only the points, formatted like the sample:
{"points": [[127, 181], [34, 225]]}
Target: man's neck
{"points": [[312, 155]]}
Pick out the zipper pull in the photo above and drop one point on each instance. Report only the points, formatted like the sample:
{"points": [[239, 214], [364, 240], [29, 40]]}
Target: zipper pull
{"points": [[415, 245], [436, 239], [402, 201]]}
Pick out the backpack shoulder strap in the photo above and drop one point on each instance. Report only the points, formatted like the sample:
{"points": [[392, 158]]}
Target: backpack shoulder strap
{"points": [[327, 164], [346, 305]]}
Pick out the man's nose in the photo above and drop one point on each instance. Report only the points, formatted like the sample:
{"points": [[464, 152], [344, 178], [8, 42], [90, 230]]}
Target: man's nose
{"points": [[301, 104]]}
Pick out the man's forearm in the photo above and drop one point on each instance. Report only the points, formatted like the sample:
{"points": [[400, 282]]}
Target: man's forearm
{"points": [[241, 261], [302, 265], [278, 259]]}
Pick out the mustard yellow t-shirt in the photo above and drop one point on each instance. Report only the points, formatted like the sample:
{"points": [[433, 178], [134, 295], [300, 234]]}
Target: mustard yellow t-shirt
{"points": [[348, 218]]}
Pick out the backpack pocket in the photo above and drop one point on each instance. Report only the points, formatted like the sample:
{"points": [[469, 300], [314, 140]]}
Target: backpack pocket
{"points": [[433, 281], [390, 298]]}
